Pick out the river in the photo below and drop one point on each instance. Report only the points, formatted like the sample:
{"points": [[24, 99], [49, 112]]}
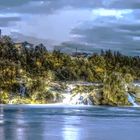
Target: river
{"points": [[59, 122]]}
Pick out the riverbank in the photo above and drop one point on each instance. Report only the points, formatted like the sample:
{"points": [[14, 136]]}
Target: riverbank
{"points": [[76, 93]]}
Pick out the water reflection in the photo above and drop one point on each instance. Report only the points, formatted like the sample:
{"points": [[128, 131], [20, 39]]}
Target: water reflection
{"points": [[1, 115], [65, 123], [20, 131], [2, 135], [63, 127], [70, 129]]}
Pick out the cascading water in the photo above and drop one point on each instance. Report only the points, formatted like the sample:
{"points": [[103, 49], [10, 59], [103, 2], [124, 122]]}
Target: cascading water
{"points": [[81, 99], [89, 102], [132, 100], [67, 95], [22, 90], [77, 99]]}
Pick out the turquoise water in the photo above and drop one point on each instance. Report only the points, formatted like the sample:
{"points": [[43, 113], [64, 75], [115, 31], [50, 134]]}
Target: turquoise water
{"points": [[59, 122]]}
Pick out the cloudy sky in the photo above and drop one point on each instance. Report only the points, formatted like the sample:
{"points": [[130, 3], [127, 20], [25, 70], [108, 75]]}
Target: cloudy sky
{"points": [[89, 25]]}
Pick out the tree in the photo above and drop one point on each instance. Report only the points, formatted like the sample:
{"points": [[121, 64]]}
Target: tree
{"points": [[114, 91]]}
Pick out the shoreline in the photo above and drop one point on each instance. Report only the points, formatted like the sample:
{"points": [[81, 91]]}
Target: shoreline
{"points": [[64, 105]]}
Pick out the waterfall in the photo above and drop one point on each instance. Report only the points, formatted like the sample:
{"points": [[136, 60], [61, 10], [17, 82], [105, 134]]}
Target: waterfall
{"points": [[67, 95], [66, 99], [131, 99], [22, 90], [89, 102], [80, 98], [77, 99]]}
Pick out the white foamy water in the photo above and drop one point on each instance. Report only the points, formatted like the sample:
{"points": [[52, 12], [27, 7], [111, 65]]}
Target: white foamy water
{"points": [[132, 100], [77, 99]]}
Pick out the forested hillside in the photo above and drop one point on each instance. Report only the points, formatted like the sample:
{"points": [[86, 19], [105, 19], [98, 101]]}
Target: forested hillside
{"points": [[34, 67]]}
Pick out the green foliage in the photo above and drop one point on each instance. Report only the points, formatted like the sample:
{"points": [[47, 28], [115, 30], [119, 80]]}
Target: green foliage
{"points": [[37, 68], [19, 100], [4, 97], [114, 89], [83, 89]]}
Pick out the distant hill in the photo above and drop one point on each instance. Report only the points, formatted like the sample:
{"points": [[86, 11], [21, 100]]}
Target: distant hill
{"points": [[17, 37]]}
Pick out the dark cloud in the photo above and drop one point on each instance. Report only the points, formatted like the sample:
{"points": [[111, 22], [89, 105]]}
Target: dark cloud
{"points": [[110, 33], [126, 4], [70, 47], [109, 24], [130, 27], [49, 6], [12, 3], [5, 21]]}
